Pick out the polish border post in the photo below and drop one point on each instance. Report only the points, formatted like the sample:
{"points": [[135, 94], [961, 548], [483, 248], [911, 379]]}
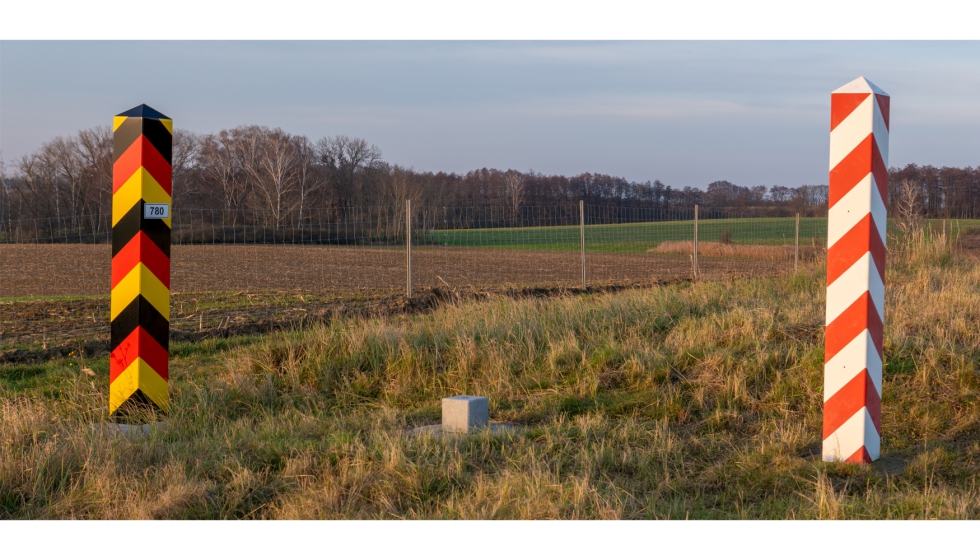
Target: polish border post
{"points": [[857, 202]]}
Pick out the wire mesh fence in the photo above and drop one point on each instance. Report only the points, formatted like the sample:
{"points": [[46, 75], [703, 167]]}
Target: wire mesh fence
{"points": [[234, 266]]}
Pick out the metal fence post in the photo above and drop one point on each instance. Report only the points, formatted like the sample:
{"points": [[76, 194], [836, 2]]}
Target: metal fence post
{"points": [[581, 214], [697, 270], [796, 256], [408, 246]]}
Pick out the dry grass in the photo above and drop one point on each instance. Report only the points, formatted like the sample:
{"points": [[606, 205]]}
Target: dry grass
{"points": [[735, 251], [682, 401]]}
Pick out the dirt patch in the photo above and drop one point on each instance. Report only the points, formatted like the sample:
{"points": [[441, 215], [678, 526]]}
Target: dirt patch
{"points": [[221, 291], [968, 243], [51, 329], [62, 270]]}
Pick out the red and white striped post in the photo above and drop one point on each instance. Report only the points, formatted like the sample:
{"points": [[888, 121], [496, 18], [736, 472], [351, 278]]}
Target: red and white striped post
{"points": [[855, 272]]}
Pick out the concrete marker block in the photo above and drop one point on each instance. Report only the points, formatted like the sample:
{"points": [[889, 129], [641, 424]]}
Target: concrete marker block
{"points": [[463, 413]]}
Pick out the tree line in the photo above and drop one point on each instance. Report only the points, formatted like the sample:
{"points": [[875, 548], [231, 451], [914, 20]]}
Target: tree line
{"points": [[262, 175]]}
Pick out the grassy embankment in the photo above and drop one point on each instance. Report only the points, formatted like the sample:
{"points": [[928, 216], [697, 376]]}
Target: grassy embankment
{"points": [[684, 401]]}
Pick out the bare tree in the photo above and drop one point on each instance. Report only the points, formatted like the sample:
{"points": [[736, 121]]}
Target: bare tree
{"points": [[270, 161], [35, 187], [308, 178], [64, 157], [186, 151], [222, 165], [398, 185], [807, 198], [347, 157], [514, 187], [4, 197], [778, 194], [95, 148]]}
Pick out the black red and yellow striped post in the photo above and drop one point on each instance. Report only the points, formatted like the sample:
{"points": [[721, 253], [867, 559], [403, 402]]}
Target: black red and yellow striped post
{"points": [[142, 183]]}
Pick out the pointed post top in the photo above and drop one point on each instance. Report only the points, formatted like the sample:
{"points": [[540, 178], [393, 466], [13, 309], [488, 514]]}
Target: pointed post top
{"points": [[144, 112], [860, 85]]}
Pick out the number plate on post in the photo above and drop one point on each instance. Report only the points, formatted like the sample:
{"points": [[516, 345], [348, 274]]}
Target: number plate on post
{"points": [[159, 211]]}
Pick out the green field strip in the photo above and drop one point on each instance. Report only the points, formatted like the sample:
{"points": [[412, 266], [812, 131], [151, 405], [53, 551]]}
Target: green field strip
{"points": [[635, 237]]}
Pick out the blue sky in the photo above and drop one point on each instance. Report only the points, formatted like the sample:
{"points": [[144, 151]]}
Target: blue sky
{"points": [[685, 112]]}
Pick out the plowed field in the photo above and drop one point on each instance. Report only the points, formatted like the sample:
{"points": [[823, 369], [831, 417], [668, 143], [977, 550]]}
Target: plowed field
{"points": [[63, 270], [225, 290]]}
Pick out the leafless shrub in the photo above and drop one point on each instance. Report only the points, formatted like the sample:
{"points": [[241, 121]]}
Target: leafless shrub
{"points": [[908, 206]]}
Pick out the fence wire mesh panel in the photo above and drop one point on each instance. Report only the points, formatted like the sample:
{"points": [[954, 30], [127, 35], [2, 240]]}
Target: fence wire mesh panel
{"points": [[497, 246], [651, 244], [236, 270]]}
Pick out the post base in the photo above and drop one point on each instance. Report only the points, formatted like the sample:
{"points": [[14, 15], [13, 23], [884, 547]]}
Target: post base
{"points": [[436, 430], [138, 430]]}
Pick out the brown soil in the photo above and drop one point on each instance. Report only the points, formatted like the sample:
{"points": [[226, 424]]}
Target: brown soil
{"points": [[44, 329], [57, 270], [968, 243], [221, 291]]}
